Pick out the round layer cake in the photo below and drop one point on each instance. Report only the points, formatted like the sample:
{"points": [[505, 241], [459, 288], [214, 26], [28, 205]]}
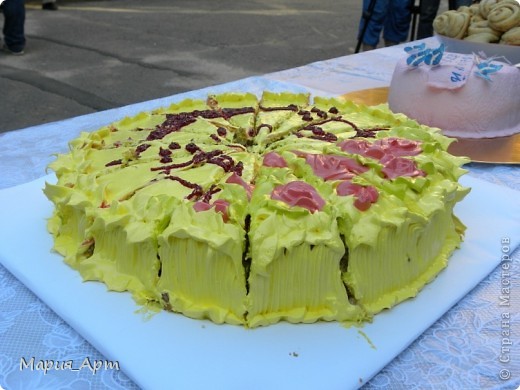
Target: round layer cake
{"points": [[464, 96], [251, 211]]}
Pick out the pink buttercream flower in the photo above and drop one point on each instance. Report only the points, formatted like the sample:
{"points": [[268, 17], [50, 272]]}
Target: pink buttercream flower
{"points": [[220, 205], [399, 146], [235, 179], [331, 167], [299, 193], [274, 160], [365, 195], [399, 166], [201, 206]]}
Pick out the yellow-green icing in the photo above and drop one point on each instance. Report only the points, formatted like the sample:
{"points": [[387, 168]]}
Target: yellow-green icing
{"points": [[295, 273], [184, 218], [202, 270]]}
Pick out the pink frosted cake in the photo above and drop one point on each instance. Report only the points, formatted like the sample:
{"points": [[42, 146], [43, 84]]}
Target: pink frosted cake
{"points": [[464, 95]]}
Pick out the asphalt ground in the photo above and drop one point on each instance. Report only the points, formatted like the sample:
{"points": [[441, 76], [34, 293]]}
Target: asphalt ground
{"points": [[95, 55]]}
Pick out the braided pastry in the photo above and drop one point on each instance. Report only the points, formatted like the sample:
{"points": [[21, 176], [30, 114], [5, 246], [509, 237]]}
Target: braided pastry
{"points": [[511, 37], [476, 18], [485, 7], [452, 24], [474, 9], [483, 27], [483, 37], [474, 13], [504, 16], [506, 1]]}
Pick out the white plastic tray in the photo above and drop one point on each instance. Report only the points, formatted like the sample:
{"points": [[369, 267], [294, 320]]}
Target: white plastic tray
{"points": [[171, 351]]}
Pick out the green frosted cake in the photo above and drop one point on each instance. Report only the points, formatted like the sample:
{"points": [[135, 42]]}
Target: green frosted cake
{"points": [[251, 211]]}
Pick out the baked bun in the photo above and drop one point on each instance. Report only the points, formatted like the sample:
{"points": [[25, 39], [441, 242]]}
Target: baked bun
{"points": [[485, 7], [504, 16], [484, 37], [452, 24], [512, 37], [482, 32], [485, 22]]}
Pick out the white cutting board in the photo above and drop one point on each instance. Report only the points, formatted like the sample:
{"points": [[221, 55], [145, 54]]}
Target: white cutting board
{"points": [[170, 351]]}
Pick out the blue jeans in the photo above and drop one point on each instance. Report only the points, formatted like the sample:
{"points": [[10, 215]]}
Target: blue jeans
{"points": [[390, 16], [14, 20], [428, 13]]}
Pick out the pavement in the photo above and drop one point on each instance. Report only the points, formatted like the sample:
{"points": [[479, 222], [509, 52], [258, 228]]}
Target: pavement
{"points": [[91, 56]]}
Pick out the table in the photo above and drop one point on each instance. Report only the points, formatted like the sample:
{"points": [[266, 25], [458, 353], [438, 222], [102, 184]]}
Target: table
{"points": [[463, 349]]}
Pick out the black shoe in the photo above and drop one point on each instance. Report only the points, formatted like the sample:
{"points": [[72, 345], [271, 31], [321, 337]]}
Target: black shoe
{"points": [[50, 6], [6, 49]]}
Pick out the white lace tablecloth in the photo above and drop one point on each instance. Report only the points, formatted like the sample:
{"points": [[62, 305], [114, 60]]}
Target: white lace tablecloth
{"points": [[471, 347]]}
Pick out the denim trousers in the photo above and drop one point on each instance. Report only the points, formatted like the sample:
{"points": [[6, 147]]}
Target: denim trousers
{"points": [[390, 16], [14, 20]]}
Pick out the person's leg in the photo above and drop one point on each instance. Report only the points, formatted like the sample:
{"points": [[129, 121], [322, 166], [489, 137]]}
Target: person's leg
{"points": [[14, 15], [375, 23], [429, 9], [397, 23]]}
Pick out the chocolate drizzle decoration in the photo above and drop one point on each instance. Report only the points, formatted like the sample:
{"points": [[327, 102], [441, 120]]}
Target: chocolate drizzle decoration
{"points": [[290, 107], [140, 149], [214, 157], [197, 189], [114, 162], [315, 117], [206, 198], [231, 112]]}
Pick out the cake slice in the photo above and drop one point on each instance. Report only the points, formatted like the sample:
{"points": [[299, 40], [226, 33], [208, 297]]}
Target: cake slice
{"points": [[274, 112], [396, 218], [295, 273], [239, 110], [202, 275]]}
